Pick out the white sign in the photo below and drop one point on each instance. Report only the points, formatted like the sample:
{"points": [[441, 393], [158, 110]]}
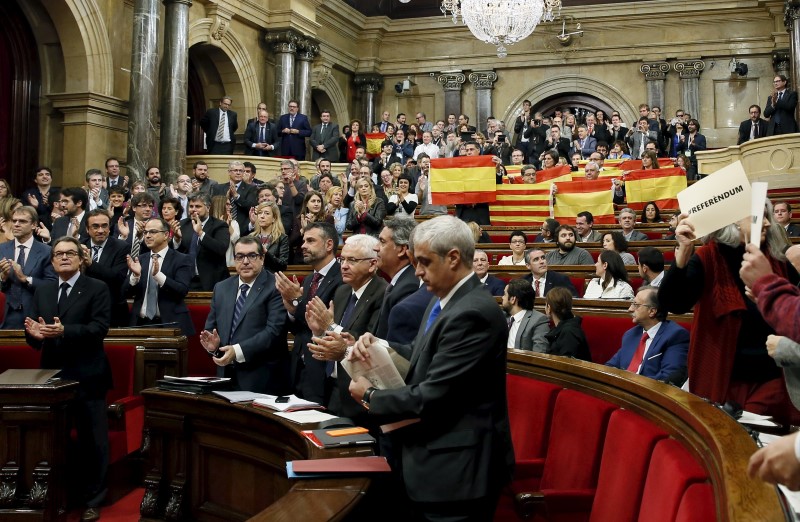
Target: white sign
{"points": [[717, 200]]}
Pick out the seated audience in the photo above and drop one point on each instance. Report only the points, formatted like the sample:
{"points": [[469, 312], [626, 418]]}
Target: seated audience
{"points": [[548, 234], [651, 266], [541, 280], [655, 347], [566, 338], [480, 265], [527, 327], [567, 253], [612, 278], [651, 214], [616, 241], [402, 203], [782, 212], [627, 220], [517, 244]]}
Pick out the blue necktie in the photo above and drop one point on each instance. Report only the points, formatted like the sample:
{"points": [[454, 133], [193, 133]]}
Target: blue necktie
{"points": [[434, 314], [348, 311], [237, 309]]}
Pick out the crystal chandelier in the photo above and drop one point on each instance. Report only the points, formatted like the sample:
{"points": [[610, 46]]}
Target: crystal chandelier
{"points": [[502, 22]]}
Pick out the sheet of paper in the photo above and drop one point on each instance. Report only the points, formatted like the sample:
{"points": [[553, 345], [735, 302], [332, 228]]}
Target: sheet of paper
{"points": [[198, 380], [305, 416], [240, 396], [294, 402], [717, 200], [754, 419], [759, 198], [378, 369]]}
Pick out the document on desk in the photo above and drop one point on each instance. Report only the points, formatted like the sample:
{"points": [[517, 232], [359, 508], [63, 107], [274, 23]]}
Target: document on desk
{"points": [[378, 369]]}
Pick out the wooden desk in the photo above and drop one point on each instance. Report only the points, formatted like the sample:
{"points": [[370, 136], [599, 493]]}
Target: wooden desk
{"points": [[209, 460]]}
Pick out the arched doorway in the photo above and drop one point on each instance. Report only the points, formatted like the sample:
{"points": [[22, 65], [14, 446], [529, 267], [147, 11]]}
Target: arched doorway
{"points": [[578, 104]]}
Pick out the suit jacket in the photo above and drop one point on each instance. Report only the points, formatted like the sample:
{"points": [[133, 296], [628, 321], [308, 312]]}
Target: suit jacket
{"points": [[638, 236], [635, 141], [171, 305], [495, 285], [363, 319], [143, 248], [37, 266], [406, 285], [746, 127], [294, 145], [42, 210], [61, 225], [308, 374], [618, 135], [112, 269], [601, 133], [461, 448], [531, 332], [553, 280], [79, 352], [259, 332], [665, 358], [276, 257], [251, 137], [210, 123], [328, 139], [589, 146], [781, 116], [594, 237], [405, 318], [568, 340], [793, 230], [248, 198], [209, 254]]}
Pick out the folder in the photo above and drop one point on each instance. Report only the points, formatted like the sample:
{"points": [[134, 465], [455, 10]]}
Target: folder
{"points": [[350, 466]]}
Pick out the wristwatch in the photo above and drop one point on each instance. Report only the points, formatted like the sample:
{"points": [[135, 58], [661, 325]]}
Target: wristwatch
{"points": [[367, 396], [296, 301]]}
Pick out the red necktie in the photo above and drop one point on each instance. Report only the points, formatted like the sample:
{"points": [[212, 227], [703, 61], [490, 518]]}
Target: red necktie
{"points": [[314, 285], [638, 355], [536, 287]]}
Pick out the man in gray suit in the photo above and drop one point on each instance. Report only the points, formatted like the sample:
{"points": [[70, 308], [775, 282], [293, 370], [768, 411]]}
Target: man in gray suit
{"points": [[627, 220], [526, 326], [244, 331], [325, 139]]}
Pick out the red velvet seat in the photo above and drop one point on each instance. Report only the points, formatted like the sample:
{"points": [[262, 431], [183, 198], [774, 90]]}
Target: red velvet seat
{"points": [[580, 285], [126, 410], [199, 363], [697, 504], [604, 334]]}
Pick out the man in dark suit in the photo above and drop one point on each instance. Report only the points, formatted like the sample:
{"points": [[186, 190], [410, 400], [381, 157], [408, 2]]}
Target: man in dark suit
{"points": [[394, 260], [244, 331], [98, 196], [406, 316], [295, 128], [543, 280], [205, 239], [780, 108], [131, 230], [261, 136], [159, 281], [24, 265], [480, 265], [461, 342], [320, 241], [782, 215], [753, 128], [617, 131], [661, 355], [220, 127], [356, 307], [67, 321], [43, 197], [527, 327], [325, 139], [242, 196], [106, 260], [75, 201]]}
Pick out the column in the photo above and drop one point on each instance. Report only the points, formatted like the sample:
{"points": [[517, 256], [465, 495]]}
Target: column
{"points": [[284, 45], [689, 72], [484, 83], [782, 62], [369, 85], [172, 146], [654, 74], [306, 51], [791, 19], [142, 116], [451, 83]]}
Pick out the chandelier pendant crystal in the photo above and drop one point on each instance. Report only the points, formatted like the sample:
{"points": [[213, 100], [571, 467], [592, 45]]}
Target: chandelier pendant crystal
{"points": [[501, 22]]}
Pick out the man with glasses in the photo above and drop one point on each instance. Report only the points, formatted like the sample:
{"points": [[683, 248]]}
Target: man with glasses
{"points": [[517, 244], [24, 265], [780, 108], [68, 320], [205, 239], [131, 230], [655, 347], [105, 259], [753, 128], [180, 191], [294, 128], [423, 123], [241, 195], [159, 281], [244, 331]]}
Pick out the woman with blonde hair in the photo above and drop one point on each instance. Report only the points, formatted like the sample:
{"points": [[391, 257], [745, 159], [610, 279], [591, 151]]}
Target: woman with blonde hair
{"points": [[8, 205], [221, 209], [269, 230], [367, 210], [334, 200]]}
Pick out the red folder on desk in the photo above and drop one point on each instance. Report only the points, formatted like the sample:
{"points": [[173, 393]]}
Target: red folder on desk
{"points": [[348, 465]]}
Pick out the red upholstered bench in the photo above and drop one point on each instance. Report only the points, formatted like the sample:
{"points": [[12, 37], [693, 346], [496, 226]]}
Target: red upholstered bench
{"points": [[604, 334], [199, 361]]}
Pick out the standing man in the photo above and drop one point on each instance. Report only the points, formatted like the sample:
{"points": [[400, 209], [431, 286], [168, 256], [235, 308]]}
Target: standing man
{"points": [[159, 281], [98, 196], [205, 239], [241, 195], [294, 128], [753, 128], [780, 108], [244, 329], [394, 260], [24, 265], [325, 139], [105, 260], [461, 342], [113, 178], [583, 225], [423, 123], [68, 320], [75, 201], [261, 135], [526, 326], [567, 253], [477, 212], [220, 127], [155, 187], [201, 181], [384, 123], [131, 230], [521, 124]]}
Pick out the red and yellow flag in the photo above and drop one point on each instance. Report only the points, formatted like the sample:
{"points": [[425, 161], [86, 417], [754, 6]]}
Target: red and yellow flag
{"points": [[577, 196], [374, 140], [513, 174], [552, 173], [659, 185], [525, 204], [633, 164], [463, 180]]}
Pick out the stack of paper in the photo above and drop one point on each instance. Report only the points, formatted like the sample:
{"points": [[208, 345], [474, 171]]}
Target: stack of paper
{"points": [[349, 466], [290, 403]]}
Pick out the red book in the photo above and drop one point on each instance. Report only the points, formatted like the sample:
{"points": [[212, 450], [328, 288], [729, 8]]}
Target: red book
{"points": [[342, 465]]}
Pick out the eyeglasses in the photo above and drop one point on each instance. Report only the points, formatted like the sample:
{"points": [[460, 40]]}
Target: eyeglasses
{"points": [[152, 232], [637, 305], [252, 256], [71, 254], [517, 241], [353, 260]]}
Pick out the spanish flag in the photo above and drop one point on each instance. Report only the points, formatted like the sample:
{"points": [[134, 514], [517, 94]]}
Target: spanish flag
{"points": [[633, 164], [374, 140], [463, 180], [552, 173], [513, 174], [577, 196], [659, 185], [524, 204]]}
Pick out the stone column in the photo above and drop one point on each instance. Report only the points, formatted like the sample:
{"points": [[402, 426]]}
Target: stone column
{"points": [[782, 62], [175, 72], [369, 85], [284, 45], [654, 74], [791, 19], [689, 71], [484, 83], [451, 82], [142, 116], [306, 51]]}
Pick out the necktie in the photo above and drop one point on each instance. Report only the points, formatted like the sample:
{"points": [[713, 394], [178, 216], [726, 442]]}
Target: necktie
{"points": [[234, 210], [237, 309], [45, 197], [312, 291], [434, 314], [135, 244], [780, 95], [291, 121], [14, 294], [62, 298], [70, 228], [537, 285], [21, 256], [323, 127], [510, 323], [221, 129], [152, 290], [638, 355], [754, 131], [96, 254], [262, 135]]}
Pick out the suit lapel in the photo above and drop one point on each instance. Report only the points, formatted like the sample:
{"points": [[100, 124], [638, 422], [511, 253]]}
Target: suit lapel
{"points": [[252, 296], [362, 303], [74, 294], [522, 325]]}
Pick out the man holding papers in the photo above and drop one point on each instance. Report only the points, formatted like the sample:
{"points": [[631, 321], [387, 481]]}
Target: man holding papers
{"points": [[456, 452]]}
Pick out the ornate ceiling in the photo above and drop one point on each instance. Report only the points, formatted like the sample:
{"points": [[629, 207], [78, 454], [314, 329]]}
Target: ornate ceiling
{"points": [[422, 8]]}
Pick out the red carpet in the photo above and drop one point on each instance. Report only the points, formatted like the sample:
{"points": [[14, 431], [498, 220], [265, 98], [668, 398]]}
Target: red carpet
{"points": [[125, 509]]}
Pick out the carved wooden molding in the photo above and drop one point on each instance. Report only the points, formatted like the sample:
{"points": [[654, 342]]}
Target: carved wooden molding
{"points": [[9, 481]]}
